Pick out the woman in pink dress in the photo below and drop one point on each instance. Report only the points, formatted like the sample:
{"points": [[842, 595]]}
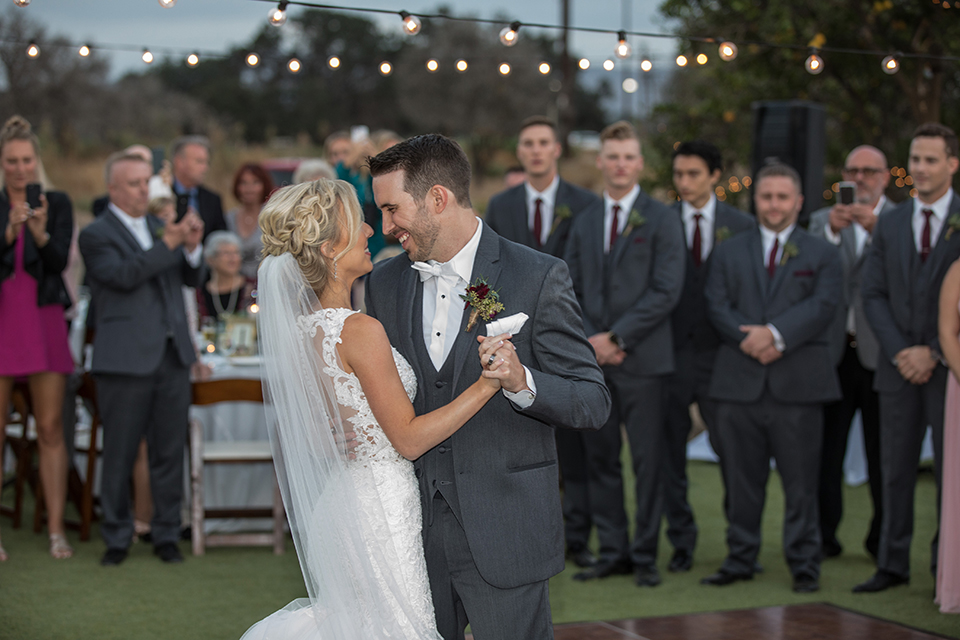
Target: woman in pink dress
{"points": [[34, 248], [948, 556]]}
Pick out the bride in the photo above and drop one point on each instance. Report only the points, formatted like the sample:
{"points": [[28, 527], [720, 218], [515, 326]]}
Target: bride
{"points": [[345, 431]]}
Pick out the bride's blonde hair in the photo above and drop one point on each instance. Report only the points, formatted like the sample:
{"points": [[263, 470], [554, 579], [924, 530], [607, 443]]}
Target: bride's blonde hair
{"points": [[299, 219]]}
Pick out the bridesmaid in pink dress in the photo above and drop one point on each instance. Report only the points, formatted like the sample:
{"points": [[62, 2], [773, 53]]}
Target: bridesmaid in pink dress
{"points": [[34, 248], [948, 557]]}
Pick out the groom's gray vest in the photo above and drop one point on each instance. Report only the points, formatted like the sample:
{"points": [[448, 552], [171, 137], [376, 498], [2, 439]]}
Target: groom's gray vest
{"points": [[435, 468]]}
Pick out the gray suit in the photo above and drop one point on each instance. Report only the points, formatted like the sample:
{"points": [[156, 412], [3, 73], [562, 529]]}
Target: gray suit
{"points": [[631, 292], [775, 408], [490, 500], [855, 356], [142, 354], [507, 215], [695, 344], [901, 298]]}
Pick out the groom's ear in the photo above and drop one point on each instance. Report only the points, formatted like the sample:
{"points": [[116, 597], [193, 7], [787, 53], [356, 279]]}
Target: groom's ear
{"points": [[438, 198]]}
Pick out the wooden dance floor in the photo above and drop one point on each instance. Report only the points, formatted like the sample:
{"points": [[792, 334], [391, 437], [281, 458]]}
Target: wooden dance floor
{"points": [[794, 622]]}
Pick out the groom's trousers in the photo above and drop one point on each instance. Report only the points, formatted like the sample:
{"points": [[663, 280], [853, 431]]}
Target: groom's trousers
{"points": [[461, 595]]}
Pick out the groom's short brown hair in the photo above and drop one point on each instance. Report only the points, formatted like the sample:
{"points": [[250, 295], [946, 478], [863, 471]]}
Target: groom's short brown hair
{"points": [[426, 161]]}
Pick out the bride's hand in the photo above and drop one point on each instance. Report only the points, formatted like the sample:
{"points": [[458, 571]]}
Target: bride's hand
{"points": [[496, 358]]}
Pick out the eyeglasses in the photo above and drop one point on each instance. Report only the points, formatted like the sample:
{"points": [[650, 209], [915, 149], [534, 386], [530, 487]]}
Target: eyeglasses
{"points": [[867, 172]]}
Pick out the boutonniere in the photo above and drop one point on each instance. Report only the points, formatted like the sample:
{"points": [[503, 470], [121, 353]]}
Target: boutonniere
{"points": [[723, 233], [953, 224], [484, 300], [158, 232], [560, 214], [634, 221], [789, 251]]}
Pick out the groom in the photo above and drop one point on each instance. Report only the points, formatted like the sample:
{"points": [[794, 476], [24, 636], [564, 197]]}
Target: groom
{"points": [[492, 524]]}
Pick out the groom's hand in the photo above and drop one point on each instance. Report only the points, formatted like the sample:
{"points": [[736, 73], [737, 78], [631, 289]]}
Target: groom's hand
{"points": [[499, 360]]}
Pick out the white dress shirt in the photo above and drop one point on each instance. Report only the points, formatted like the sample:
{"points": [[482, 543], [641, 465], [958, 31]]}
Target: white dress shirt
{"points": [[861, 234], [767, 238], [940, 209], [626, 204], [707, 224], [141, 232], [443, 310], [548, 199]]}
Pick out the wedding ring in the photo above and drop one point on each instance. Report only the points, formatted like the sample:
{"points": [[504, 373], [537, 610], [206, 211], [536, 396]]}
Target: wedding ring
{"points": [[491, 359]]}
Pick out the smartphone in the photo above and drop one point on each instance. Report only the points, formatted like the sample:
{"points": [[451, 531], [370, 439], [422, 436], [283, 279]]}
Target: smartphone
{"points": [[33, 195], [183, 203], [848, 192]]}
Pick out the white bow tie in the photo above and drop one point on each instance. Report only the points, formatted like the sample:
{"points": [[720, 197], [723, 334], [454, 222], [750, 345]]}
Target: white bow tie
{"points": [[434, 269]]}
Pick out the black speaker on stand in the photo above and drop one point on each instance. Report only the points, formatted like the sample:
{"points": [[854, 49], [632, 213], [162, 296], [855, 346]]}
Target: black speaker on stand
{"points": [[793, 132]]}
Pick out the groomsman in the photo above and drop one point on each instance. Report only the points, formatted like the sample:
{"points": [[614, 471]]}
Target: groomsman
{"points": [[913, 246], [853, 345], [771, 294], [706, 223], [538, 213], [626, 259]]}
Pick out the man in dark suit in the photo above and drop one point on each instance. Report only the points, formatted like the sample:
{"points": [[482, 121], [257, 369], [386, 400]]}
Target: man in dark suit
{"points": [[626, 258], [191, 160], [538, 213], [853, 346], [771, 294], [492, 523], [706, 223], [142, 351], [913, 246]]}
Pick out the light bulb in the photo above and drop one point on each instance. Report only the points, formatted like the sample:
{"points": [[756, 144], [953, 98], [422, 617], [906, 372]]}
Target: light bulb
{"points": [[411, 24], [294, 65], [701, 58], [814, 64], [147, 56], [646, 65], [386, 68], [252, 59], [544, 68], [890, 65], [192, 59], [630, 85], [462, 65], [510, 35], [608, 64], [166, 4], [584, 64], [682, 60], [334, 62], [728, 51], [504, 69], [432, 65], [278, 16], [21, 3], [623, 49], [84, 50], [33, 50]]}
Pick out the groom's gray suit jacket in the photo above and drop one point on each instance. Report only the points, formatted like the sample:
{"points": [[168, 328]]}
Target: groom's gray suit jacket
{"points": [[505, 492]]}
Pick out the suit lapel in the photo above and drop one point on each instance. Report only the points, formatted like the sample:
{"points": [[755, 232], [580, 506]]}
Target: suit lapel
{"points": [[409, 300], [756, 257], [796, 238], [557, 226], [907, 247], [942, 247], [485, 264], [623, 241], [121, 230]]}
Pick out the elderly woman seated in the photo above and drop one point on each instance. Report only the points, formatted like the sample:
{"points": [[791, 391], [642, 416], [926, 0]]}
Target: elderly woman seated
{"points": [[228, 291]]}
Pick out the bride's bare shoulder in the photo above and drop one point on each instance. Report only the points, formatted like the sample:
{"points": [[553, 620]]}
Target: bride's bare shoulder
{"points": [[363, 335]]}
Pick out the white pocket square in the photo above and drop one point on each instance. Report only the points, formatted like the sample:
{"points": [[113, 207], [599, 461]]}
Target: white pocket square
{"points": [[511, 324]]}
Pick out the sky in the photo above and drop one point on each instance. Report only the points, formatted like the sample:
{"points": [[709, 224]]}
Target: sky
{"points": [[218, 25]]}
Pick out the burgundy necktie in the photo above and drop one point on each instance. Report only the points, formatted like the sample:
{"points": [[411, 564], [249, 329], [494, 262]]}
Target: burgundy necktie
{"points": [[925, 235], [697, 241], [772, 262], [614, 226], [537, 222]]}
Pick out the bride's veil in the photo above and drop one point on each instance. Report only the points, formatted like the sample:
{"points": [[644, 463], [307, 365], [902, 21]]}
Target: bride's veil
{"points": [[350, 595]]}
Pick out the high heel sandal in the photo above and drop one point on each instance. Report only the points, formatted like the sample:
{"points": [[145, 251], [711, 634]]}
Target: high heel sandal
{"points": [[59, 548]]}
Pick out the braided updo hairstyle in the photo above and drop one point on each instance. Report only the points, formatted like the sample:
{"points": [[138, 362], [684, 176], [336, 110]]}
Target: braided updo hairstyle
{"points": [[299, 219]]}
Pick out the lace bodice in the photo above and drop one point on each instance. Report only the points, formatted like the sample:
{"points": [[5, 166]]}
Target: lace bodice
{"points": [[350, 396]]}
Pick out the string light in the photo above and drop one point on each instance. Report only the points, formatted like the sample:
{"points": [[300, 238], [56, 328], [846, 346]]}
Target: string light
{"points": [[386, 68], [21, 3], [584, 64], [682, 60], [544, 68], [432, 65], [646, 65], [167, 4], [630, 85], [147, 56], [890, 65], [278, 16], [411, 24], [623, 49], [702, 58], [728, 51], [608, 64], [84, 50], [33, 50], [334, 62], [294, 65], [814, 63], [509, 36], [192, 59], [252, 59], [504, 69], [461, 65]]}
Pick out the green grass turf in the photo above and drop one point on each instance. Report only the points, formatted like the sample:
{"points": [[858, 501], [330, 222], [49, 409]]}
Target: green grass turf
{"points": [[224, 592]]}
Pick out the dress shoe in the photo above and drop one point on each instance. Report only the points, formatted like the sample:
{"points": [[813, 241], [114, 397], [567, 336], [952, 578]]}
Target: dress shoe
{"points": [[582, 558], [881, 581], [831, 549], [681, 561], [805, 584], [168, 552], [646, 576], [605, 569], [113, 557], [723, 578]]}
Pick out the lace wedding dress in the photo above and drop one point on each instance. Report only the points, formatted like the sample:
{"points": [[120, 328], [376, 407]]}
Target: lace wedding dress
{"points": [[375, 546]]}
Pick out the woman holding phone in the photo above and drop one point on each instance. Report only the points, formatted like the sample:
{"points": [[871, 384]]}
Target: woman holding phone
{"points": [[34, 246]]}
